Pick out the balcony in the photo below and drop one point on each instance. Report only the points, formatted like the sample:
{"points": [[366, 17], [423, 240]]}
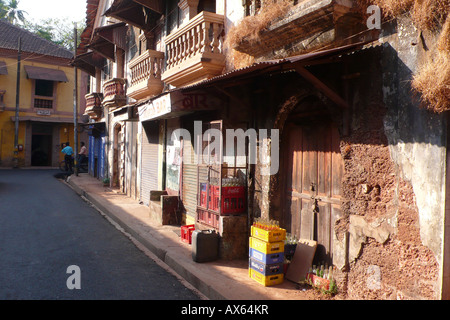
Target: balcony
{"points": [[94, 107], [308, 25], [194, 51], [114, 93], [146, 75]]}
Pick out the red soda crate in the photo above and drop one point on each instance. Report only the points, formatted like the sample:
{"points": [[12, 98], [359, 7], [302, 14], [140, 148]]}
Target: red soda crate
{"points": [[233, 200], [186, 233], [214, 192], [203, 199], [318, 282]]}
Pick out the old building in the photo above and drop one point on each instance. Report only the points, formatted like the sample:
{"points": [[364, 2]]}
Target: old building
{"points": [[44, 97], [344, 151]]}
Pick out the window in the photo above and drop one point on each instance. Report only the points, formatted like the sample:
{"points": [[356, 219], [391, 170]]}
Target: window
{"points": [[43, 94], [44, 88], [207, 5]]}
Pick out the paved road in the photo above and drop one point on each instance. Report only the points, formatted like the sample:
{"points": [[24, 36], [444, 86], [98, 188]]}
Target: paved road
{"points": [[45, 228]]}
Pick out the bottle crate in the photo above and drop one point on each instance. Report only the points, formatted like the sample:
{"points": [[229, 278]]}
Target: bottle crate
{"points": [[268, 235], [233, 200], [203, 195], [208, 218], [186, 233], [266, 269], [317, 281], [270, 280], [266, 258], [266, 247], [214, 193]]}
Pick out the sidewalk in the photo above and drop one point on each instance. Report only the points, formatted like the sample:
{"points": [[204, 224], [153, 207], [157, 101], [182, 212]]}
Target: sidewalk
{"points": [[216, 280]]}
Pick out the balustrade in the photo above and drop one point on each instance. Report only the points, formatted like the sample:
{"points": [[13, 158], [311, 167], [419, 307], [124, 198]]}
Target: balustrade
{"points": [[146, 75], [195, 50], [114, 93], [94, 107]]}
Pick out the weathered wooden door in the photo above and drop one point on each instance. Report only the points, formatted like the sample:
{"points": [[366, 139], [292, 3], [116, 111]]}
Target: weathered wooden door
{"points": [[313, 168]]}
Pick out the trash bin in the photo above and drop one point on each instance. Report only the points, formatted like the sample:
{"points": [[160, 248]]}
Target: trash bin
{"points": [[205, 245]]}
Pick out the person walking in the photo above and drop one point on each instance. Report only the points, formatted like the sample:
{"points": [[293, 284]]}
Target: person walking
{"points": [[68, 151], [82, 155]]}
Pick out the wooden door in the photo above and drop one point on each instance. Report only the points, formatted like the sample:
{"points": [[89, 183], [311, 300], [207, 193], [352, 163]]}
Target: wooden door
{"points": [[313, 168]]}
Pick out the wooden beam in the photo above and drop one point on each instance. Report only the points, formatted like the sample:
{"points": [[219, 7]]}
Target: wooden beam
{"points": [[332, 95]]}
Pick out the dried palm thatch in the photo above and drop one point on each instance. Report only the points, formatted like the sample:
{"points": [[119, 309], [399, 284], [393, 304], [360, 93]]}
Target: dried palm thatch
{"points": [[249, 29], [432, 80]]}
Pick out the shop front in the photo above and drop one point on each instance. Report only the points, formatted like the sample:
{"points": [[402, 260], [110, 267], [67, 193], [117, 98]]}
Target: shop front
{"points": [[96, 150]]}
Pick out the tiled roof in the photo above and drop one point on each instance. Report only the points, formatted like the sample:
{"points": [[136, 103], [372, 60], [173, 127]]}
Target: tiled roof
{"points": [[91, 12], [9, 35]]}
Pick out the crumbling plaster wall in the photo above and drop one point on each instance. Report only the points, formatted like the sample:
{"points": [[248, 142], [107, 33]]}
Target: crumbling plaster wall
{"points": [[394, 182]]}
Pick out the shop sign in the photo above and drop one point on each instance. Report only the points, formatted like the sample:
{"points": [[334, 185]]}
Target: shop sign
{"points": [[43, 112], [178, 102]]}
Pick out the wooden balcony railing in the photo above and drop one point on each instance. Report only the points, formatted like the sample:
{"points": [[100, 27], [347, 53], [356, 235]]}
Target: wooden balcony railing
{"points": [[94, 108], [194, 51], [146, 75], [114, 93]]}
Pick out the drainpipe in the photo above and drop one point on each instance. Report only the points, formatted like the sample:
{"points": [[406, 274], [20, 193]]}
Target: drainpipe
{"points": [[16, 133], [75, 103]]}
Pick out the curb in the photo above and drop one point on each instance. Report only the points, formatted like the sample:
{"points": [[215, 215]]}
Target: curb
{"points": [[162, 254]]}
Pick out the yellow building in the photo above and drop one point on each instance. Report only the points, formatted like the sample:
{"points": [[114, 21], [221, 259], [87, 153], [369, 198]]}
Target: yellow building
{"points": [[45, 98]]}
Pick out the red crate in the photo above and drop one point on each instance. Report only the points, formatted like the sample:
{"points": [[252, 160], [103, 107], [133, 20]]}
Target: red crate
{"points": [[233, 200], [317, 281], [186, 233], [208, 218], [203, 196], [214, 193]]}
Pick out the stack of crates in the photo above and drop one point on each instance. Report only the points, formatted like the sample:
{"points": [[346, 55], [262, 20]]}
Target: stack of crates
{"points": [[266, 256]]}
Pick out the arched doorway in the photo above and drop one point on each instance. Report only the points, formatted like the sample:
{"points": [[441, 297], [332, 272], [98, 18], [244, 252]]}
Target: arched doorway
{"points": [[311, 175]]}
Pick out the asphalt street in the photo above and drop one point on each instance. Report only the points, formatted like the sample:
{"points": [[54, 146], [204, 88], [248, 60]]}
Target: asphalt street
{"points": [[54, 245]]}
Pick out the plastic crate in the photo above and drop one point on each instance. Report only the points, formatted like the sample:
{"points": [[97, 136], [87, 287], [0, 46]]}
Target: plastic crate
{"points": [[266, 247], [233, 200], [318, 282], [208, 218], [266, 281], [266, 258], [266, 269], [269, 235], [203, 195], [186, 233], [214, 193]]}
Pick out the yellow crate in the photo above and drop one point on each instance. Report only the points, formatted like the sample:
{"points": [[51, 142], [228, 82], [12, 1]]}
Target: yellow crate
{"points": [[266, 281], [266, 247], [269, 236]]}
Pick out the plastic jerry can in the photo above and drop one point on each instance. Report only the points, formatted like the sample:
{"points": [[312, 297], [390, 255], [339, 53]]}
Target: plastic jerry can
{"points": [[205, 245]]}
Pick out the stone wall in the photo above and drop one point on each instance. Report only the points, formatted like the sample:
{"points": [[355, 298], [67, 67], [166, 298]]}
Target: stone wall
{"points": [[393, 196]]}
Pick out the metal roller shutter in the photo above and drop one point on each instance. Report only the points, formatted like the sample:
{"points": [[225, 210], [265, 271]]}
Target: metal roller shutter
{"points": [[189, 179], [149, 167]]}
